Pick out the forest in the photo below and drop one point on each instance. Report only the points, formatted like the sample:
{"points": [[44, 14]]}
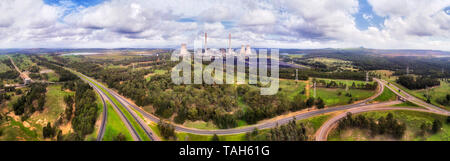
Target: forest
{"points": [[417, 83], [435, 67], [288, 132], [218, 102], [26, 105], [383, 126]]}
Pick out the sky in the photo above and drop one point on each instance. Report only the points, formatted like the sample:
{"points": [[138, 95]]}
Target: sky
{"points": [[303, 24]]}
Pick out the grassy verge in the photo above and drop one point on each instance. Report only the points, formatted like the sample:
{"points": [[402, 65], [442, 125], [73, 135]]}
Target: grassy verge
{"points": [[407, 104], [115, 126], [133, 122], [182, 136], [387, 95], [200, 125]]}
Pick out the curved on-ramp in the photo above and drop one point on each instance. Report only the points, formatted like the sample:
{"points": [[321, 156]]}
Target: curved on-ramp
{"points": [[322, 133]]}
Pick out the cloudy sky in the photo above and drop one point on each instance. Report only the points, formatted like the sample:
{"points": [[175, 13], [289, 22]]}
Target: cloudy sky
{"points": [[384, 24]]}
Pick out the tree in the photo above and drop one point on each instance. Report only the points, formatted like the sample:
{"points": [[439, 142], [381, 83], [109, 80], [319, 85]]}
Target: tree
{"points": [[48, 131], [436, 127], [18, 92], [120, 137], [310, 102], [167, 130], [320, 104], [298, 103], [215, 138]]}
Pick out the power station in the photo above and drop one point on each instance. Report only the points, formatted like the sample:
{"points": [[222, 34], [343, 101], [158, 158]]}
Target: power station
{"points": [[245, 49]]}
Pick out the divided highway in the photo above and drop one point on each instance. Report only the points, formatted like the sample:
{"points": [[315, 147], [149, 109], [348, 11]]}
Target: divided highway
{"points": [[127, 123], [270, 124], [322, 133], [412, 99], [362, 106], [106, 93]]}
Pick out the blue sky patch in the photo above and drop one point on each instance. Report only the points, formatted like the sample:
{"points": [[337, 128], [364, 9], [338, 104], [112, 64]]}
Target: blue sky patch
{"points": [[366, 17]]}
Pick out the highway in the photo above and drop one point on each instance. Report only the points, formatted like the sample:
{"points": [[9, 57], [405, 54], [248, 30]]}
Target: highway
{"points": [[411, 98], [270, 124], [98, 86], [124, 119], [322, 133], [101, 131], [362, 106]]}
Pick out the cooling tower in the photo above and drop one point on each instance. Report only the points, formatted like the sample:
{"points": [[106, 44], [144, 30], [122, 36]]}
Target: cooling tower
{"points": [[242, 50], [248, 50], [183, 49]]}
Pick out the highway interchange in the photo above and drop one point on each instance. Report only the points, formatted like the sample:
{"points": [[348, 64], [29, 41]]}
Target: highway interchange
{"points": [[118, 101], [321, 134]]}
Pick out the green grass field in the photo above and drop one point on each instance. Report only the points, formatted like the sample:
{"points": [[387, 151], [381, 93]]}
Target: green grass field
{"points": [[54, 104], [114, 126], [155, 72], [331, 97], [343, 81], [413, 121], [53, 77], [315, 122], [331, 62], [387, 95], [291, 88], [200, 125]]}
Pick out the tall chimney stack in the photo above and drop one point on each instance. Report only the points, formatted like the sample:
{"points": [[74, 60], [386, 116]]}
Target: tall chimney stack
{"points": [[229, 43], [206, 42]]}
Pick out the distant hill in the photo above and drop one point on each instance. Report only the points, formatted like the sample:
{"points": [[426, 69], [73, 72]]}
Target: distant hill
{"points": [[381, 52]]}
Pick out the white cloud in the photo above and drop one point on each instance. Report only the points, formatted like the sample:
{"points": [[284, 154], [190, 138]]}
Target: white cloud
{"points": [[258, 17], [414, 17], [284, 23]]}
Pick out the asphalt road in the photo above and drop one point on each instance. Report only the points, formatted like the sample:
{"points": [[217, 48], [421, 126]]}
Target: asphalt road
{"points": [[324, 130], [413, 99], [322, 133], [101, 131], [135, 116], [270, 124], [124, 119]]}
